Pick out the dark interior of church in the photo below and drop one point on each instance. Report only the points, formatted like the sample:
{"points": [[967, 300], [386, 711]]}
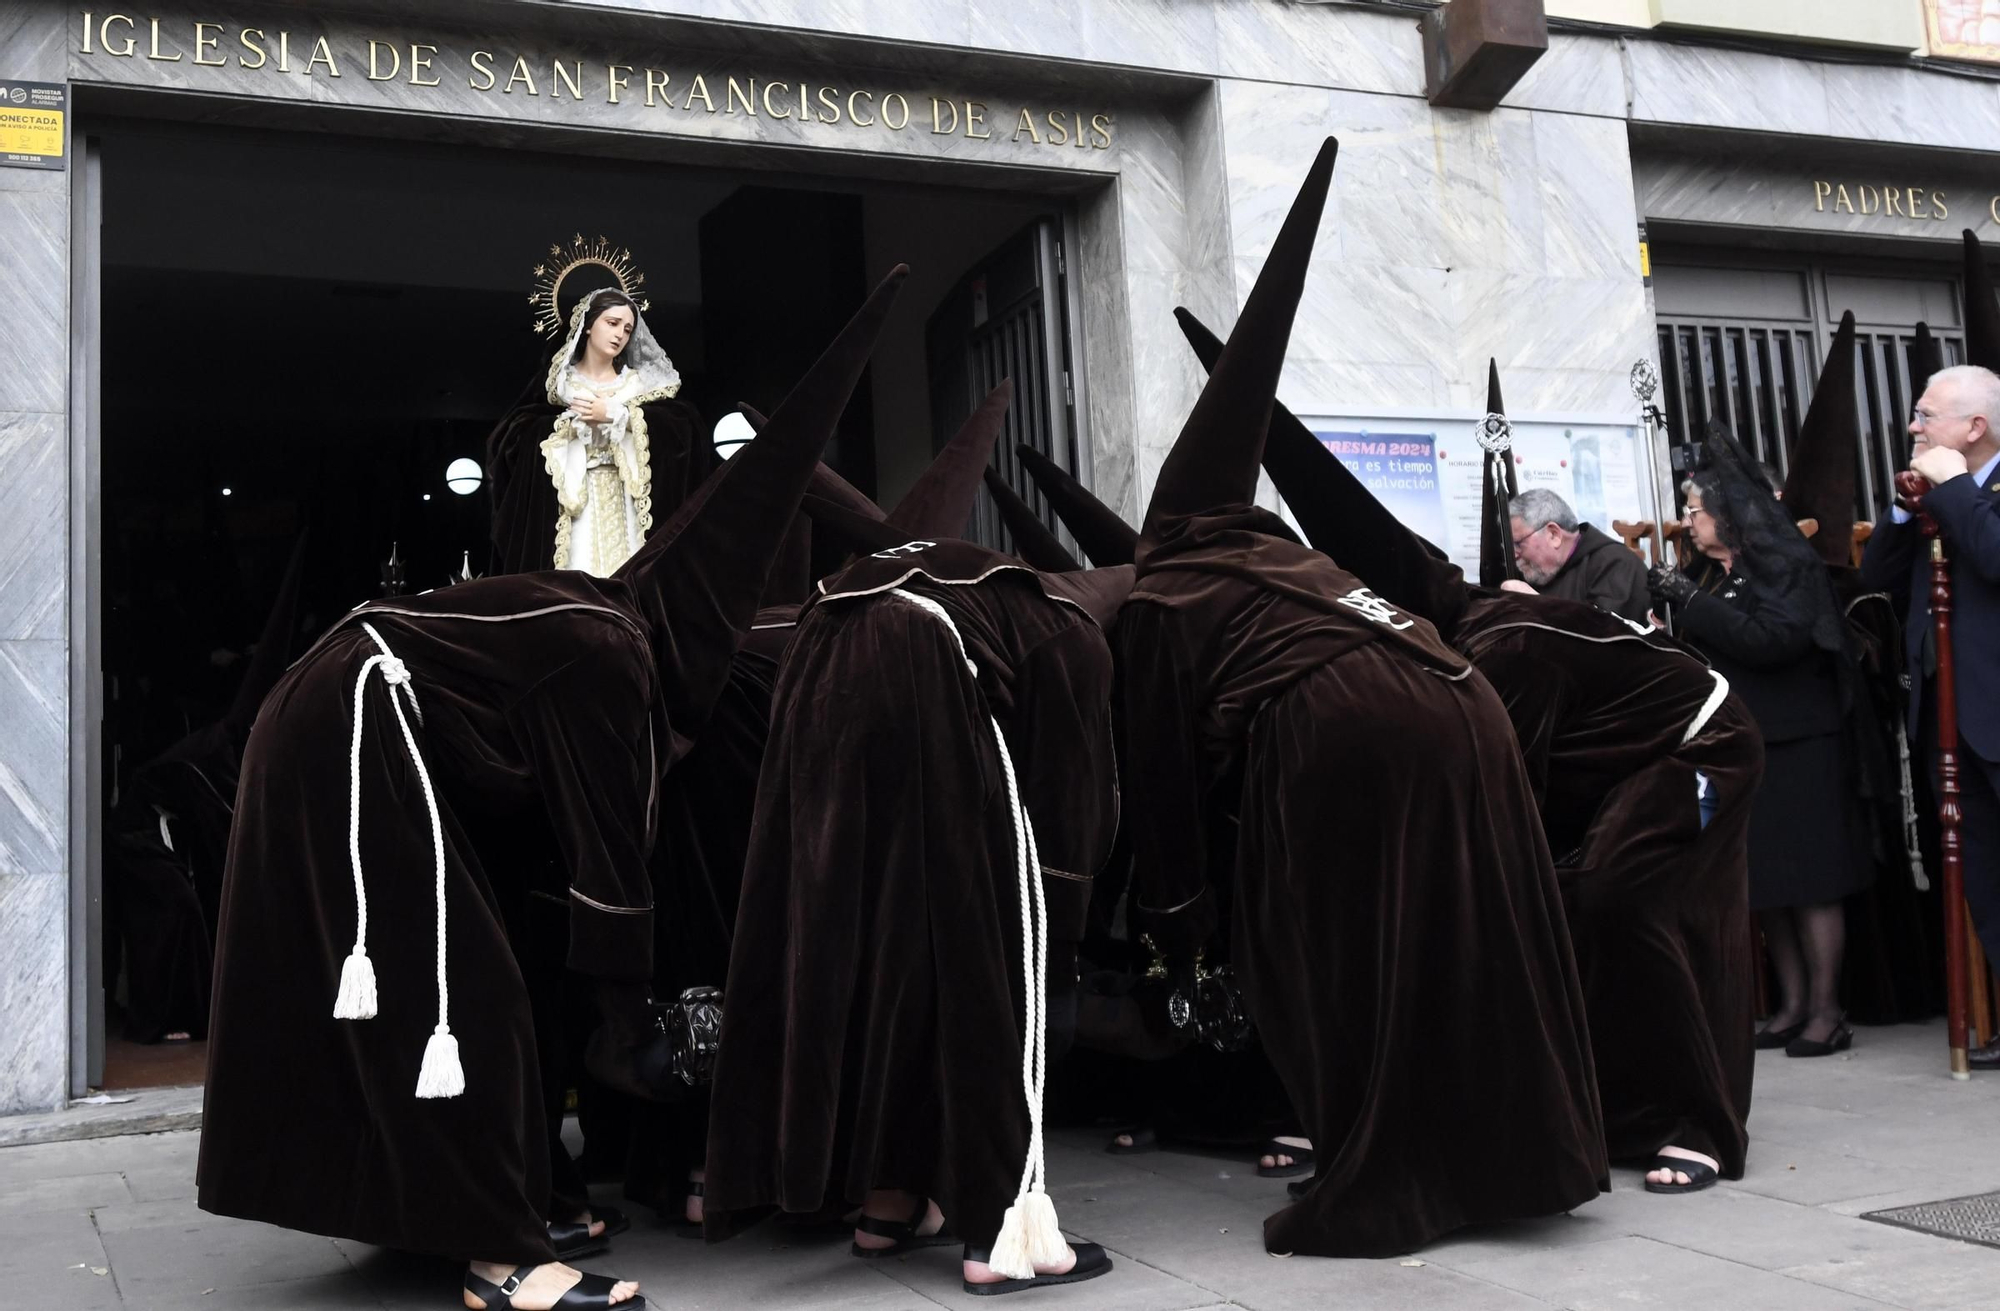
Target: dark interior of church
{"points": [[301, 333]]}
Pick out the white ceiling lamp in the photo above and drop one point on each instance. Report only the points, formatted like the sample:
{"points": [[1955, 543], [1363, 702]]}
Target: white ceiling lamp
{"points": [[464, 476], [732, 434]]}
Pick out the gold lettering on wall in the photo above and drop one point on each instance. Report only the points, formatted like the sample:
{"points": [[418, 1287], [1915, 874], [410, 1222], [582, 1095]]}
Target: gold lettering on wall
{"points": [[1868, 200], [811, 109], [204, 42], [322, 53]]}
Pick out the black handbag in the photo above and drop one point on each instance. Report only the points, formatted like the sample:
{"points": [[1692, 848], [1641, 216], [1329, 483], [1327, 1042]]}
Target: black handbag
{"points": [[1210, 1004], [694, 1028]]}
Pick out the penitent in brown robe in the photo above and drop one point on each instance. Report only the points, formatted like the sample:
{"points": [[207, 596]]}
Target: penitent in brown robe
{"points": [[875, 992], [1614, 727], [1613, 722], [553, 691], [1398, 929]]}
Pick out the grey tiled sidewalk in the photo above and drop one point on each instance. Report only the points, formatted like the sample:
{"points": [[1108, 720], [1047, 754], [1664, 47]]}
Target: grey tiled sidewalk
{"points": [[112, 1223]]}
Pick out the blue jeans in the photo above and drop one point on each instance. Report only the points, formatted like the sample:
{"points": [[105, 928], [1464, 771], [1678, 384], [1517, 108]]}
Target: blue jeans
{"points": [[1705, 797]]}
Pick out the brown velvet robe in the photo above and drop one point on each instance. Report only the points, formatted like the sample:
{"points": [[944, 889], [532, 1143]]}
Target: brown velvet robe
{"points": [[524, 501], [537, 691], [875, 993], [1658, 905], [1398, 929]]}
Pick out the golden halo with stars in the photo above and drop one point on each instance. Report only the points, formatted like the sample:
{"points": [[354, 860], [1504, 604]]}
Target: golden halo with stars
{"points": [[565, 258]]}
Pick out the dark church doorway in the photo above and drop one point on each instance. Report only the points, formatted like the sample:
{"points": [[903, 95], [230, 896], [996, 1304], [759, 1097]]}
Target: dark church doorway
{"points": [[300, 334]]}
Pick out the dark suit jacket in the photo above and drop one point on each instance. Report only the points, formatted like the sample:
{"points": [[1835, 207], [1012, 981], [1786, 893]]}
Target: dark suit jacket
{"points": [[1762, 642], [1896, 561]]}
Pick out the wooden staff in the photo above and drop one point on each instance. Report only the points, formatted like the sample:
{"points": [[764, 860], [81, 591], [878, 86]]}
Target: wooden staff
{"points": [[1912, 487]]}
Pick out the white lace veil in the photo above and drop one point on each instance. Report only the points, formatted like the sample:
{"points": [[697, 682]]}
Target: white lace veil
{"points": [[654, 373]]}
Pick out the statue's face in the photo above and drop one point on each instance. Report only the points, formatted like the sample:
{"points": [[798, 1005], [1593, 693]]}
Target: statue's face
{"points": [[611, 331]]}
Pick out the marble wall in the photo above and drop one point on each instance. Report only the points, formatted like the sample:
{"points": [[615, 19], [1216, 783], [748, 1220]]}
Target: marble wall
{"points": [[34, 614]]}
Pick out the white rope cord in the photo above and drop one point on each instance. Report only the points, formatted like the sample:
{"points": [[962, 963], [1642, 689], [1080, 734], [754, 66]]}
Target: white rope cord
{"points": [[1029, 1235], [1716, 696], [441, 1074]]}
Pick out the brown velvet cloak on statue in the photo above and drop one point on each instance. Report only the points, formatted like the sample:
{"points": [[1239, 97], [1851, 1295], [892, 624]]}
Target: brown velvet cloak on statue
{"points": [[1658, 905], [538, 690], [875, 994]]}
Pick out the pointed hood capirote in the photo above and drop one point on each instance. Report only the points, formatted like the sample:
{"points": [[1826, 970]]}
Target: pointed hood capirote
{"points": [[1926, 357], [1982, 312], [940, 502], [1820, 483], [1105, 537], [1341, 517], [274, 646], [699, 577], [1498, 487], [1033, 542], [1214, 461]]}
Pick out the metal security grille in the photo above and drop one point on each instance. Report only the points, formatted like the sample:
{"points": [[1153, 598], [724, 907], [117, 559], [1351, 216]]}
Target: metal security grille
{"points": [[1969, 1219], [1009, 319], [1755, 370]]}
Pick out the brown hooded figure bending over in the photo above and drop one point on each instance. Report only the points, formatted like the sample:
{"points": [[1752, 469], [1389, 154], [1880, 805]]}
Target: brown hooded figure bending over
{"points": [[1397, 927], [1621, 728], [938, 793], [347, 1095]]}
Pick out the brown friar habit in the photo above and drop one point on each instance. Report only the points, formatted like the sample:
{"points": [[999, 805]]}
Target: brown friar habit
{"points": [[1614, 721], [555, 690], [1390, 876], [875, 997]]}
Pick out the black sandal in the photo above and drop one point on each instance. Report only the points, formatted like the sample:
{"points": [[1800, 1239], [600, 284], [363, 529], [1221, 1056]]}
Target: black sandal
{"points": [[1839, 1040], [1769, 1039], [1302, 1160], [1091, 1261], [572, 1239], [1700, 1175], [1143, 1141], [904, 1232], [590, 1293]]}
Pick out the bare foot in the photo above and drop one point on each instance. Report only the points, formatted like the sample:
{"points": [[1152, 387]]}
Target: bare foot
{"points": [[978, 1272], [893, 1204], [1679, 1177], [692, 1211], [177, 1035], [542, 1287], [1281, 1160]]}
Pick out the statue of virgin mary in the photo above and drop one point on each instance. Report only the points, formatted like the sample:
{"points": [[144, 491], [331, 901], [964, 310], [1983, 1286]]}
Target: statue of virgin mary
{"points": [[580, 477]]}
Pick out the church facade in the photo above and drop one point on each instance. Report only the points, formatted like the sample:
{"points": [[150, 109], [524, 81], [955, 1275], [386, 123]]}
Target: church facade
{"points": [[1701, 203]]}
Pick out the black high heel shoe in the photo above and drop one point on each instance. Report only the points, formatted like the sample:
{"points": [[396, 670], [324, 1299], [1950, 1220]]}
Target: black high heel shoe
{"points": [[1839, 1040], [1767, 1039]]}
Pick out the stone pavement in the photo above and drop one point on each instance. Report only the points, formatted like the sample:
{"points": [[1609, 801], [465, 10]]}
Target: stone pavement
{"points": [[112, 1223]]}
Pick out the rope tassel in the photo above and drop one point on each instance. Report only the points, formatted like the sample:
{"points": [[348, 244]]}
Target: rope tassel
{"points": [[441, 1074], [1030, 1234], [356, 1000]]}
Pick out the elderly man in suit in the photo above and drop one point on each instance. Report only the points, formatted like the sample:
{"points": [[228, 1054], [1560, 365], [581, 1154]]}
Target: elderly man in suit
{"points": [[1957, 430]]}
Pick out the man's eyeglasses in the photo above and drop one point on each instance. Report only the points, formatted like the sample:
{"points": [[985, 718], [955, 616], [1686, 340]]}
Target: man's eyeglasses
{"points": [[1920, 420], [1525, 536]]}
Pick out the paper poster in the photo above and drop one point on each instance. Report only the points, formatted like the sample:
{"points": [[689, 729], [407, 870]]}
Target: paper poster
{"points": [[1427, 471]]}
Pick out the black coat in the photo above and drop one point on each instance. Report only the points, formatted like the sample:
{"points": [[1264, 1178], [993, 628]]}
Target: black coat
{"points": [[1604, 572], [1762, 642]]}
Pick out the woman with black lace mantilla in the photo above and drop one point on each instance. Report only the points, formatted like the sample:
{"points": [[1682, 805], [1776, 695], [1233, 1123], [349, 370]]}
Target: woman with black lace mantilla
{"points": [[1756, 601]]}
